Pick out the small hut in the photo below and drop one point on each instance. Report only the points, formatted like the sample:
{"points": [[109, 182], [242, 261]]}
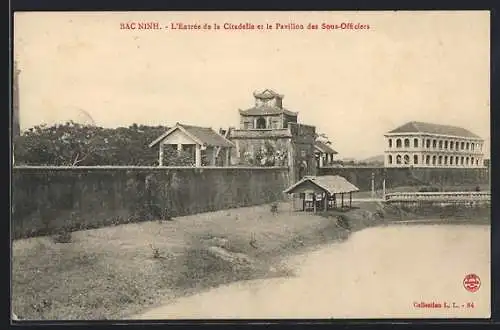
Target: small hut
{"points": [[322, 192]]}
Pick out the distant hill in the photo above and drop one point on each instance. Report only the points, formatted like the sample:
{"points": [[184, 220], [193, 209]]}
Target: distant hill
{"points": [[374, 159]]}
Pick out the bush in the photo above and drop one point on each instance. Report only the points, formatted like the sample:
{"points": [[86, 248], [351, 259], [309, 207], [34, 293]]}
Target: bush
{"points": [[156, 252], [429, 189], [343, 222], [64, 236], [274, 208]]}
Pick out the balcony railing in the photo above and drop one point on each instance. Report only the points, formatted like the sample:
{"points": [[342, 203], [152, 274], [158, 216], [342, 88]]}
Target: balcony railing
{"points": [[459, 196], [261, 133]]}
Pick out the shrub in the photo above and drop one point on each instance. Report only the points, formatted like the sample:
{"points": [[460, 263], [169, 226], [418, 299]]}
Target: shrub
{"points": [[156, 251], [429, 189], [274, 208], [343, 222], [63, 236]]}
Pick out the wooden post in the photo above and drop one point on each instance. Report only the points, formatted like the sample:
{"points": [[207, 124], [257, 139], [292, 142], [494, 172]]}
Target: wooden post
{"points": [[350, 199], [325, 201], [314, 202], [214, 156], [228, 153], [303, 202], [342, 194], [179, 149], [160, 155], [334, 201]]}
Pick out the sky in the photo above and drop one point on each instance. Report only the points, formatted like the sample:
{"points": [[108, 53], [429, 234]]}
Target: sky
{"points": [[353, 85]]}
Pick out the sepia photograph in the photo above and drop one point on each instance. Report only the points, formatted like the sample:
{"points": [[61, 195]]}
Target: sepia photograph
{"points": [[184, 165]]}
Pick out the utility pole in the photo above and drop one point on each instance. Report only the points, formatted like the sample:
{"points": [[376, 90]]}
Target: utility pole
{"points": [[383, 183], [383, 188], [16, 129], [373, 184]]}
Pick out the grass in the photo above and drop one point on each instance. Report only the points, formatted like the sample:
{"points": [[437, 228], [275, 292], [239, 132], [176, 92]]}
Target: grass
{"points": [[113, 272], [119, 271]]}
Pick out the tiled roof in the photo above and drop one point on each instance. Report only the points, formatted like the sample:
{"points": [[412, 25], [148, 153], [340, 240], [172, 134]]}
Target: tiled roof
{"points": [[333, 184], [203, 135], [323, 147], [265, 110], [421, 127], [267, 94], [208, 136]]}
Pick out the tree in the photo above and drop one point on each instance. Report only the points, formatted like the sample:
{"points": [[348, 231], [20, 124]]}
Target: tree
{"points": [[73, 144]]}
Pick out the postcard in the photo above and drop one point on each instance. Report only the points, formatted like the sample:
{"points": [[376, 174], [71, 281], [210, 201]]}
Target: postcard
{"points": [[251, 165]]}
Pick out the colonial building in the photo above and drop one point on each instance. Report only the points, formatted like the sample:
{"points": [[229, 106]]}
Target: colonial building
{"points": [[418, 144], [206, 146], [269, 134]]}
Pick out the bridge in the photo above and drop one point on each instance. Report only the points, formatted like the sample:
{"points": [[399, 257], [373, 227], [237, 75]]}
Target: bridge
{"points": [[438, 197]]}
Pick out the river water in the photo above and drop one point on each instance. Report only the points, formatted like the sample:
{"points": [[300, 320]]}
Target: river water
{"points": [[383, 272]]}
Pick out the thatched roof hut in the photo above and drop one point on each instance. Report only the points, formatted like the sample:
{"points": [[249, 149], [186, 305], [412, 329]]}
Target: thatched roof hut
{"points": [[327, 187]]}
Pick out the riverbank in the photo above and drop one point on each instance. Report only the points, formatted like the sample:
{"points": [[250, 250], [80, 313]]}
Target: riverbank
{"points": [[115, 272]]}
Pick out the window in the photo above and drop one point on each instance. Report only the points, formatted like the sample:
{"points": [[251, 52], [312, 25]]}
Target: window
{"points": [[467, 161], [415, 159], [433, 160], [456, 145], [440, 160], [428, 143], [462, 146], [440, 144], [467, 146], [390, 143], [451, 160], [446, 144], [407, 159], [434, 143], [445, 160], [398, 143], [428, 160], [261, 123], [451, 145], [248, 125], [407, 143], [415, 143], [477, 162], [462, 160], [389, 160], [472, 146], [398, 159], [472, 160], [456, 160], [302, 153]]}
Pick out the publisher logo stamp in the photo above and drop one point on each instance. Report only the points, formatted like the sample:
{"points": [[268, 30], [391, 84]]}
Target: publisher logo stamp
{"points": [[472, 282]]}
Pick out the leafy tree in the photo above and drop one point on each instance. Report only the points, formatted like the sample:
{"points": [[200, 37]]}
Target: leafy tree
{"points": [[73, 144]]}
